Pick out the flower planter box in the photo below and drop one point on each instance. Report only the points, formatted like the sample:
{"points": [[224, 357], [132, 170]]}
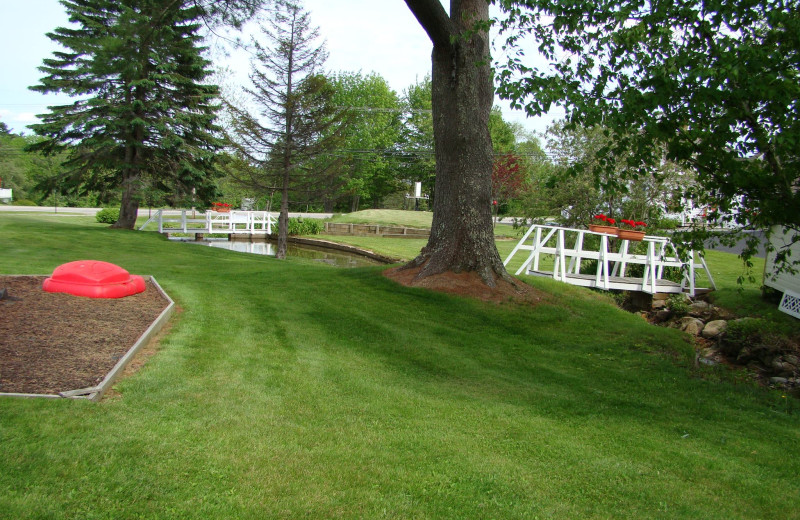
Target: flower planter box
{"points": [[608, 230], [629, 234]]}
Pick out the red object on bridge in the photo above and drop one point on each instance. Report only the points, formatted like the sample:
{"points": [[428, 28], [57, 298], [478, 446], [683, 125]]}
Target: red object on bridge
{"points": [[93, 279]]}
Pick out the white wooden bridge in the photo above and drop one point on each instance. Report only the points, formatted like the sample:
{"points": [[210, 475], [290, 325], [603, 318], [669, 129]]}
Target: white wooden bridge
{"points": [[230, 223], [566, 248]]}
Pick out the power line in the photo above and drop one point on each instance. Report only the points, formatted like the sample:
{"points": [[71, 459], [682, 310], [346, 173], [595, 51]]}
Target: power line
{"points": [[388, 110]]}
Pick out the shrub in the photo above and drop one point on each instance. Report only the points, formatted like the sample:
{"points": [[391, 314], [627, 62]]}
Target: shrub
{"points": [[107, 215], [668, 223], [308, 226], [24, 202], [678, 304], [756, 339]]}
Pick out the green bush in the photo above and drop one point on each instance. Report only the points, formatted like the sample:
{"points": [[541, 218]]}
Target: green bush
{"points": [[678, 304], [308, 226], [24, 202], [757, 339], [107, 215], [668, 223]]}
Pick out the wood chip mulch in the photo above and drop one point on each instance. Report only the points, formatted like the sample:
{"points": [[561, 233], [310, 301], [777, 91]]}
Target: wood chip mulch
{"points": [[55, 342]]}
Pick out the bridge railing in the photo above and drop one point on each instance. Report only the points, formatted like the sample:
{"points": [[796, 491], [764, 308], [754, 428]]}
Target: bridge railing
{"points": [[233, 222], [568, 248]]}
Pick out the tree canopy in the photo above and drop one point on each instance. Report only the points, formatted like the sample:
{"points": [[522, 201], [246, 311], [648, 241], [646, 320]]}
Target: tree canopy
{"points": [[712, 86], [372, 131]]}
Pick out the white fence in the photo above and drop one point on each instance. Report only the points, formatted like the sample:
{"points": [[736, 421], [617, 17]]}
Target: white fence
{"points": [[233, 222], [567, 249]]}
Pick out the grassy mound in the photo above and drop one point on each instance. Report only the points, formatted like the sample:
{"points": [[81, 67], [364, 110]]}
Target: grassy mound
{"points": [[387, 217]]}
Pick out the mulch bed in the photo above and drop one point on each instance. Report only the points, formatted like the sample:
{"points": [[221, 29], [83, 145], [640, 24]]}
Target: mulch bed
{"points": [[468, 284], [55, 342]]}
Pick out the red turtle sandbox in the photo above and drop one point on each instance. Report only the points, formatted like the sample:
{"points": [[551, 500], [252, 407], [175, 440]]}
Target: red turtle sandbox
{"points": [[93, 279]]}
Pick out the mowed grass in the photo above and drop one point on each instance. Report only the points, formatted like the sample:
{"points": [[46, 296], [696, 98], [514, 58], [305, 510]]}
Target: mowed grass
{"points": [[387, 217], [405, 218], [286, 390]]}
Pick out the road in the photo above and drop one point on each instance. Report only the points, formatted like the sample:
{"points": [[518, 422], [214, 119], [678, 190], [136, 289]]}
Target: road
{"points": [[143, 212], [739, 246]]}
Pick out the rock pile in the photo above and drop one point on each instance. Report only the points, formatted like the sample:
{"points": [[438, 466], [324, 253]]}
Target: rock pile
{"points": [[744, 341]]}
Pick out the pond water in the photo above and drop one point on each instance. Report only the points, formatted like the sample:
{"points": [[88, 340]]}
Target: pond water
{"points": [[320, 254]]}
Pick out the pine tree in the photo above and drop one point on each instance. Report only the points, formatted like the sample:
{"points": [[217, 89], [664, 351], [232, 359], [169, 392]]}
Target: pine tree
{"points": [[297, 121], [142, 115]]}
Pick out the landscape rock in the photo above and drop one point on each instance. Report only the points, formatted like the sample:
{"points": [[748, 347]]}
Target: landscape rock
{"points": [[698, 308], [722, 314], [662, 316], [714, 328], [782, 367], [691, 325], [659, 304], [778, 380]]}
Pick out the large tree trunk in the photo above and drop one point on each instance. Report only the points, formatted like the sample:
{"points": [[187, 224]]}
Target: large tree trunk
{"points": [[462, 237], [129, 206]]}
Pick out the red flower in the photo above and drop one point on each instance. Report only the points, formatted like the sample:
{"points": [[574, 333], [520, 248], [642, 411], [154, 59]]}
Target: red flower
{"points": [[633, 224]]}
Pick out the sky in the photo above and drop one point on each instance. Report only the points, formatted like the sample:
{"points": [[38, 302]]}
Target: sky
{"points": [[384, 38]]}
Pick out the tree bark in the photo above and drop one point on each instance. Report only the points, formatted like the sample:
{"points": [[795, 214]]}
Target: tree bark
{"points": [[283, 218], [129, 206], [462, 236]]}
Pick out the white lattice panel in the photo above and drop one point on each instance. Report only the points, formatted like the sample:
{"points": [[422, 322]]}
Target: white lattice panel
{"points": [[790, 304]]}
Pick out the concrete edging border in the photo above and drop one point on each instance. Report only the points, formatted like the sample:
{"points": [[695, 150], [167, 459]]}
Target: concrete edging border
{"points": [[95, 393]]}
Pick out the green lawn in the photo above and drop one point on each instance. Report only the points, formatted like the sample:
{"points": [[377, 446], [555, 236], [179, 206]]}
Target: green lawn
{"points": [[396, 217], [387, 217], [289, 390]]}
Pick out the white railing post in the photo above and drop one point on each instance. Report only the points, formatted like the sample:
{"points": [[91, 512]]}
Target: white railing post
{"points": [[601, 273], [619, 267], [560, 268], [651, 260], [537, 245], [575, 263], [708, 272]]}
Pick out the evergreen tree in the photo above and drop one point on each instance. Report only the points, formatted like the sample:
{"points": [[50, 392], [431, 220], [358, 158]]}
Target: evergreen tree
{"points": [[296, 120], [143, 116]]}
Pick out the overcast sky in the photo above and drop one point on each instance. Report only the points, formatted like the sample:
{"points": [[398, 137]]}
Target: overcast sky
{"points": [[384, 37]]}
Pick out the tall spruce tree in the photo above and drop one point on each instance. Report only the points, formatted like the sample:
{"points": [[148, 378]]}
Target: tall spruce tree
{"points": [[142, 111], [296, 121]]}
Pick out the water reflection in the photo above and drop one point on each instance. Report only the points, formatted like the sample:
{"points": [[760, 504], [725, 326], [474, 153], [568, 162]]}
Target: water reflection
{"points": [[324, 255]]}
